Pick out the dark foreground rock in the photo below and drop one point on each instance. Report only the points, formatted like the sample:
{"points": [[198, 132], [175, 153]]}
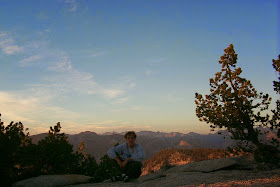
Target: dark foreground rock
{"points": [[222, 172], [53, 181]]}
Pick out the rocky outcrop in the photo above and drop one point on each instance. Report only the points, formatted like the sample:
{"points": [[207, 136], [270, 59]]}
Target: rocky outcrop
{"points": [[198, 178], [53, 181], [204, 166], [226, 171]]}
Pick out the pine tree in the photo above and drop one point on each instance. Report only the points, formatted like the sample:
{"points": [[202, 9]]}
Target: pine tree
{"points": [[14, 138], [86, 164], [234, 104], [56, 153], [274, 122]]}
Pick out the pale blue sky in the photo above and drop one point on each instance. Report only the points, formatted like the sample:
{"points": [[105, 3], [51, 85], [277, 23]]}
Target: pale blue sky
{"points": [[126, 65]]}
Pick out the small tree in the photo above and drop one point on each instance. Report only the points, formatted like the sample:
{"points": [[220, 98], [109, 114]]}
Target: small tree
{"points": [[55, 153], [234, 104], [13, 139], [107, 168], [86, 164], [20, 159]]}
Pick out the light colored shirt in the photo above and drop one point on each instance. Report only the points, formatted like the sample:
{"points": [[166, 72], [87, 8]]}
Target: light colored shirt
{"points": [[136, 153]]}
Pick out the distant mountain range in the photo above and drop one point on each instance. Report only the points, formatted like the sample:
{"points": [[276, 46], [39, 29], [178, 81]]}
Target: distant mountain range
{"points": [[98, 144]]}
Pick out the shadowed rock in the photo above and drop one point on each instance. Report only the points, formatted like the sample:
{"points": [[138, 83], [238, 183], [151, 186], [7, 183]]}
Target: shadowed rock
{"points": [[53, 181]]}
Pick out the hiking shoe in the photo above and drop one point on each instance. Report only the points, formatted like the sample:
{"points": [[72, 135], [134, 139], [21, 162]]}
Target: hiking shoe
{"points": [[113, 179], [126, 178]]}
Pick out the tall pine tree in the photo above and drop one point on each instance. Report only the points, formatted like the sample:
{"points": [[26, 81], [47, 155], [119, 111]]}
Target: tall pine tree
{"points": [[234, 104]]}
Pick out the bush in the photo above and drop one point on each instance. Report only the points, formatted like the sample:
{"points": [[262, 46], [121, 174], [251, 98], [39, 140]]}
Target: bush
{"points": [[13, 140], [20, 159], [55, 153]]}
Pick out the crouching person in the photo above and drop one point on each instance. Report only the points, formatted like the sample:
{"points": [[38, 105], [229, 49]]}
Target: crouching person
{"points": [[129, 157]]}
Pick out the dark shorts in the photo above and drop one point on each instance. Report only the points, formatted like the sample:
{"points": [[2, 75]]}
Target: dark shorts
{"points": [[132, 169], [109, 168]]}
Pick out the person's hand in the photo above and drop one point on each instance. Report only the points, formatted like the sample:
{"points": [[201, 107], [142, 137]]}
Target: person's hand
{"points": [[119, 162], [122, 164], [126, 160]]}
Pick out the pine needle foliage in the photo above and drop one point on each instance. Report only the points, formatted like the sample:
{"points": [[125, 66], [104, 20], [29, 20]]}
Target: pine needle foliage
{"points": [[234, 104]]}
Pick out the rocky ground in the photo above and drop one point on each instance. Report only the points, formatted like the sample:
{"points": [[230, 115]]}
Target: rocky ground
{"points": [[219, 172]]}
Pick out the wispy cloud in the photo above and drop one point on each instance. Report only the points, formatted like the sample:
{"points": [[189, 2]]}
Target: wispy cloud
{"points": [[111, 93], [34, 104], [156, 61], [148, 72], [36, 53], [96, 53], [11, 49], [73, 4], [30, 59], [136, 108], [63, 64], [36, 113], [42, 15], [8, 45], [31, 109], [65, 78], [121, 100], [71, 81]]}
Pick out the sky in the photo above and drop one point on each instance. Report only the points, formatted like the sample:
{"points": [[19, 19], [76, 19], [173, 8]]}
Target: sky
{"points": [[105, 65]]}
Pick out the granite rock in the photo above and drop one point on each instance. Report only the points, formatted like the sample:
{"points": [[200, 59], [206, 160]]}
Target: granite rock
{"points": [[52, 181]]}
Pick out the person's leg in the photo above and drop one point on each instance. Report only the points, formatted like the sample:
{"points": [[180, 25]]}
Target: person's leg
{"points": [[108, 169], [116, 171], [133, 169]]}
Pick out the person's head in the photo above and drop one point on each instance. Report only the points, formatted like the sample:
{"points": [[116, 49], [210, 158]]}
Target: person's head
{"points": [[130, 137]]}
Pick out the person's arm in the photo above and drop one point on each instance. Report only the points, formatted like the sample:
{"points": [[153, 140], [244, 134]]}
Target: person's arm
{"points": [[125, 161], [140, 154], [112, 152], [119, 161]]}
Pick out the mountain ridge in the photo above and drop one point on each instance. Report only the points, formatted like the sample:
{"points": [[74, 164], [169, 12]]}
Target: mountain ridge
{"points": [[98, 144]]}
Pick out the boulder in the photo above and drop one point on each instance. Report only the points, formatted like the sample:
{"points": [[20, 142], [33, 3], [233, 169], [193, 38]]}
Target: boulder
{"points": [[174, 176], [106, 184], [52, 181], [243, 178], [148, 177], [203, 166]]}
